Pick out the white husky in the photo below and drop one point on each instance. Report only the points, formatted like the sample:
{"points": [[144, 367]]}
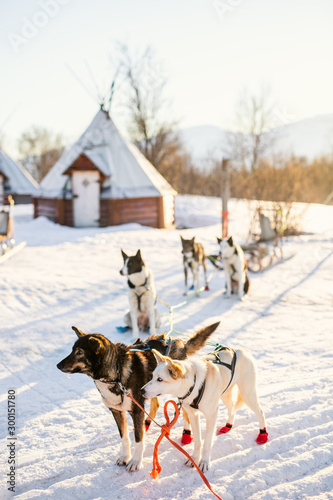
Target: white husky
{"points": [[200, 383]]}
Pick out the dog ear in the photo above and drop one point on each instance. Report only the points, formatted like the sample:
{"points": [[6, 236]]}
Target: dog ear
{"points": [[78, 332], [218, 240], [192, 240], [124, 255], [231, 241], [181, 238], [158, 356], [97, 345], [138, 256], [176, 370]]}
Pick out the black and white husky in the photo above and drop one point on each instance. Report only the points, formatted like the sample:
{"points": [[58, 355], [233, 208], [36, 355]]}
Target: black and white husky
{"points": [[143, 313], [235, 267]]}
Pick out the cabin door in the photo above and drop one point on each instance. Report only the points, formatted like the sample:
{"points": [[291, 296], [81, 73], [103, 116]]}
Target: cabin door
{"points": [[86, 198]]}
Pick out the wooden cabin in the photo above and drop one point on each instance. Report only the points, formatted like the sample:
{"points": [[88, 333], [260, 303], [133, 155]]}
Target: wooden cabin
{"points": [[104, 180], [15, 181]]}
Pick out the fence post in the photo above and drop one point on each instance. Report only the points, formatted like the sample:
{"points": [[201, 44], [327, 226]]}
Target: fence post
{"points": [[225, 196]]}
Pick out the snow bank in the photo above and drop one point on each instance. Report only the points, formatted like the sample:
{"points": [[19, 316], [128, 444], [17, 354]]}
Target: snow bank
{"points": [[68, 442]]}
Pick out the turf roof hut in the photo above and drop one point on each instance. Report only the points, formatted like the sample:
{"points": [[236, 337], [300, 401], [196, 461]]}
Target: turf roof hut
{"points": [[104, 180], [15, 181]]}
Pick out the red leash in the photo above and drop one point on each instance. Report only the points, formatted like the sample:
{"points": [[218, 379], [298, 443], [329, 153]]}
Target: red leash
{"points": [[165, 431]]}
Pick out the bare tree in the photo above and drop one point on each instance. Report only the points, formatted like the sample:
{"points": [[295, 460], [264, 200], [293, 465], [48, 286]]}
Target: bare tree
{"points": [[149, 126], [41, 149], [255, 121]]}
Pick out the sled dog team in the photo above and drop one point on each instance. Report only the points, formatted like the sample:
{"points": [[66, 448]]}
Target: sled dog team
{"points": [[162, 365]]}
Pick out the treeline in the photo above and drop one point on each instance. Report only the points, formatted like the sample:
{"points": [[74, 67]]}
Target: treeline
{"points": [[295, 179]]}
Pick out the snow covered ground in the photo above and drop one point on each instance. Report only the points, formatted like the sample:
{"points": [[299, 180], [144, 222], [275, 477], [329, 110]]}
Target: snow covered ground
{"points": [[67, 442]]}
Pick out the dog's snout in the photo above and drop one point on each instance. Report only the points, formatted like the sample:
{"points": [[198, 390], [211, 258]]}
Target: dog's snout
{"points": [[60, 365], [143, 391], [121, 272]]}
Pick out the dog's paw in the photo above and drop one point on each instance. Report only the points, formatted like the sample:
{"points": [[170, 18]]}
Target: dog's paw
{"points": [[226, 428], [122, 461], [133, 465], [262, 437], [188, 462], [204, 465], [186, 437]]}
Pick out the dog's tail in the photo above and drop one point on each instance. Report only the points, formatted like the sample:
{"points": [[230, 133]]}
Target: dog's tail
{"points": [[199, 339], [246, 284]]}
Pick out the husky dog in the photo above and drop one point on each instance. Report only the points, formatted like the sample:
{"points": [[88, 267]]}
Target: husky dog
{"points": [[235, 267], [200, 383], [143, 314], [193, 257], [117, 366]]}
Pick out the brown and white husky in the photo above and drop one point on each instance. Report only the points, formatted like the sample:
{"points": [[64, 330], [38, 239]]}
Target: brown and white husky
{"points": [[193, 257]]}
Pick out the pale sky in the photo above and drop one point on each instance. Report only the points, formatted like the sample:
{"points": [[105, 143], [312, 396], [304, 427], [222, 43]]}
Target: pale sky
{"points": [[210, 50]]}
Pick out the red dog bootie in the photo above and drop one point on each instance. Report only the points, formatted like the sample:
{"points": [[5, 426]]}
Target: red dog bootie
{"points": [[147, 425], [207, 288], [186, 437], [262, 437], [224, 429]]}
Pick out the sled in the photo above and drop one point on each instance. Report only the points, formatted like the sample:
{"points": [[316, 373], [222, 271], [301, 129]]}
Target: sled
{"points": [[262, 257], [13, 251], [7, 240], [265, 249]]}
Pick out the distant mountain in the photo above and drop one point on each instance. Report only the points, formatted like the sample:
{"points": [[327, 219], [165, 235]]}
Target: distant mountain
{"points": [[311, 137]]}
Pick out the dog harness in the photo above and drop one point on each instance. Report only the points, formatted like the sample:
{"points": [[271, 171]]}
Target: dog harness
{"points": [[218, 361], [138, 297], [195, 403], [234, 270], [144, 346]]}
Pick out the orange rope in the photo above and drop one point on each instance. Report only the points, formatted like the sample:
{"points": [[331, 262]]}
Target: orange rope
{"points": [[165, 431]]}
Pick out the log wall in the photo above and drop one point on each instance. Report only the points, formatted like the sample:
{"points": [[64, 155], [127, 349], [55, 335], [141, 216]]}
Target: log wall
{"points": [[145, 211]]}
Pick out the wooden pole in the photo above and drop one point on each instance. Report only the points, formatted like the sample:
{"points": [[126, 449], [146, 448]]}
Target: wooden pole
{"points": [[225, 196]]}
